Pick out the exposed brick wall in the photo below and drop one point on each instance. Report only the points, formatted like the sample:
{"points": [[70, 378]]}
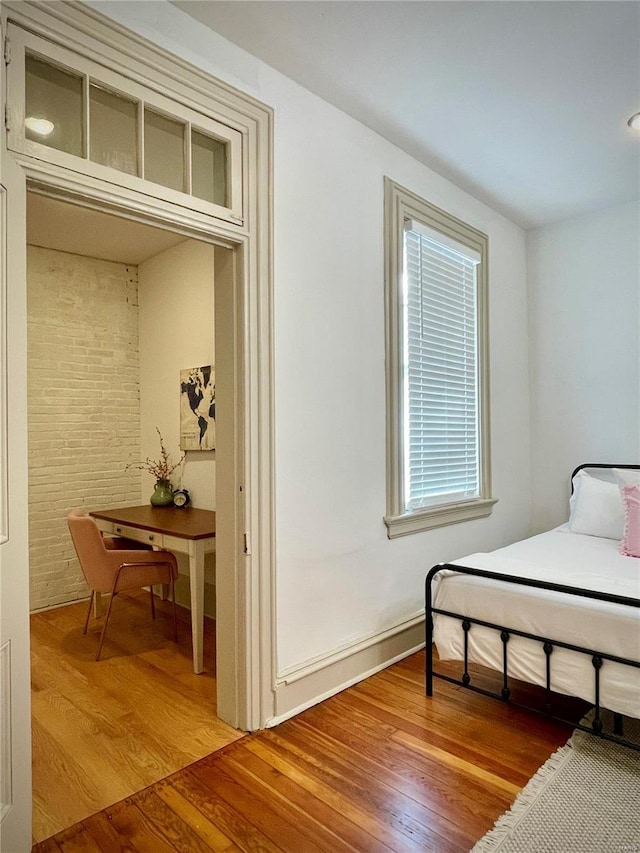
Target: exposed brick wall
{"points": [[84, 406]]}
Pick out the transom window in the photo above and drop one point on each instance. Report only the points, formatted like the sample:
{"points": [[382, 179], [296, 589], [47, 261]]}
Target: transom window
{"points": [[437, 372], [71, 111]]}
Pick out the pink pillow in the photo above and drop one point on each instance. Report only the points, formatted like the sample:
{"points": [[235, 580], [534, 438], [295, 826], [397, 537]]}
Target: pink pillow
{"points": [[631, 541]]}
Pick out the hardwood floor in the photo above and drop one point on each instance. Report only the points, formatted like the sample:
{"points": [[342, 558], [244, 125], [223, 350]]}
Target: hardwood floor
{"points": [[378, 767], [104, 730]]}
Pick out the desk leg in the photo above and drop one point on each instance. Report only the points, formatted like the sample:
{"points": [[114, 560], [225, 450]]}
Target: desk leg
{"points": [[196, 577]]}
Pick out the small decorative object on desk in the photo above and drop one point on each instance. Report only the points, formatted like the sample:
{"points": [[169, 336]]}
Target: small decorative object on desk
{"points": [[181, 497], [162, 469], [162, 493]]}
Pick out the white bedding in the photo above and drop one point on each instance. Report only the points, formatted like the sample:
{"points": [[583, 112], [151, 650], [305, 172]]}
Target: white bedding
{"points": [[560, 557]]}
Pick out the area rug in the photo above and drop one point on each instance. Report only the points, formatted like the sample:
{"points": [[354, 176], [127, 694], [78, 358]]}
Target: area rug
{"points": [[584, 799]]}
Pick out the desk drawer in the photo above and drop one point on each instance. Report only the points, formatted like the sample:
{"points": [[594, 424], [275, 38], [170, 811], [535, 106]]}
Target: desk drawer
{"points": [[147, 536]]}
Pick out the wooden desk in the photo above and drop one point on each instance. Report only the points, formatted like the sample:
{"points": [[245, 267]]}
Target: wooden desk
{"points": [[186, 531]]}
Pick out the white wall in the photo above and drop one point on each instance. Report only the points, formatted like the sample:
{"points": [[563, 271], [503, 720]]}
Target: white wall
{"points": [[339, 579], [176, 297], [584, 305], [176, 290], [84, 406]]}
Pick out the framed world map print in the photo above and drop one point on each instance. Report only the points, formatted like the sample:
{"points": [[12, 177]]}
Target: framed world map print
{"points": [[198, 408]]}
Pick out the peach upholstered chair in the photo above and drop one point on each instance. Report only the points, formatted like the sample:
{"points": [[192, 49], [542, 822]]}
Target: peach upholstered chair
{"points": [[112, 566]]}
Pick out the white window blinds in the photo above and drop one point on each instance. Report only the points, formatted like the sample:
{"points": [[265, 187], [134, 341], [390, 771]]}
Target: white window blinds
{"points": [[441, 429]]}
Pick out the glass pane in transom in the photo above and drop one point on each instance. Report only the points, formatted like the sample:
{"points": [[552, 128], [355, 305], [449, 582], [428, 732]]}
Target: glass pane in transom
{"points": [[113, 130], [208, 168], [54, 108], [164, 150]]}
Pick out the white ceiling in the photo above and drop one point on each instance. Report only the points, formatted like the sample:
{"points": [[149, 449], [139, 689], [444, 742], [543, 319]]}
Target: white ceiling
{"points": [[55, 224], [524, 104]]}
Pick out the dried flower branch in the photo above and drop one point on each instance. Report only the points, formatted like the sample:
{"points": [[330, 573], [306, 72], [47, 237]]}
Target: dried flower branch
{"points": [[163, 468]]}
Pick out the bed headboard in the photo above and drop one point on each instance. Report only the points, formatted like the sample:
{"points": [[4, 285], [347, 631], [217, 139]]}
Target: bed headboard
{"points": [[600, 470]]}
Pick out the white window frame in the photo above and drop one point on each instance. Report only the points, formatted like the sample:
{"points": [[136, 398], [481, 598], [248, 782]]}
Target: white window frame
{"points": [[21, 41], [401, 206]]}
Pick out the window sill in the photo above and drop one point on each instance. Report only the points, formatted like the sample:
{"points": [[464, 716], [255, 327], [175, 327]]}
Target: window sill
{"points": [[427, 519]]}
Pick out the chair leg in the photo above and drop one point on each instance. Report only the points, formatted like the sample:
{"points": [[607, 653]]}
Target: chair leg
{"points": [[86, 621], [104, 627], [175, 618], [153, 605]]}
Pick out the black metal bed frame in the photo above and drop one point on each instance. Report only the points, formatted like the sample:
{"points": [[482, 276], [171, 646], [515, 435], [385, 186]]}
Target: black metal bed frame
{"points": [[598, 658]]}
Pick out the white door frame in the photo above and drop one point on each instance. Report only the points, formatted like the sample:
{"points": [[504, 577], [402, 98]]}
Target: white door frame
{"points": [[15, 694], [246, 552]]}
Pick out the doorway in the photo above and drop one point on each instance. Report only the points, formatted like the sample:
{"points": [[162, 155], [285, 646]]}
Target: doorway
{"points": [[115, 311], [245, 551]]}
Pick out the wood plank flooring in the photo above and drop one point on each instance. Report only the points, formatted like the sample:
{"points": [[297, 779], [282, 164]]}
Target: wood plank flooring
{"points": [[378, 767], [104, 730]]}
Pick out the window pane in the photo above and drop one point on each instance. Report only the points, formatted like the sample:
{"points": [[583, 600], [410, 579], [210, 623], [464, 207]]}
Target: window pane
{"points": [[164, 151], [208, 168], [54, 108], [441, 374], [113, 130]]}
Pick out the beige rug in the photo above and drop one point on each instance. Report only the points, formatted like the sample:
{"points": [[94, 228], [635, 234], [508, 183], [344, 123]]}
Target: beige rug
{"points": [[584, 799]]}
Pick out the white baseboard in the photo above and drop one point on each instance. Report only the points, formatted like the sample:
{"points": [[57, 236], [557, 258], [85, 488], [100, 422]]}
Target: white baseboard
{"points": [[307, 684]]}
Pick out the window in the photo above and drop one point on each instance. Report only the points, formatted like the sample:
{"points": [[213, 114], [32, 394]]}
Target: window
{"points": [[69, 110], [438, 466]]}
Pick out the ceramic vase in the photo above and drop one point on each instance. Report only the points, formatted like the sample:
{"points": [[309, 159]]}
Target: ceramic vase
{"points": [[162, 494]]}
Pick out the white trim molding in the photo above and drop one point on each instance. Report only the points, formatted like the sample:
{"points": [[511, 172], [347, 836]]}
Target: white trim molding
{"points": [[4, 459], [305, 684]]}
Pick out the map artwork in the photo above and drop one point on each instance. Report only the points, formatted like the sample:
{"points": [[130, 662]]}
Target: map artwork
{"points": [[198, 408]]}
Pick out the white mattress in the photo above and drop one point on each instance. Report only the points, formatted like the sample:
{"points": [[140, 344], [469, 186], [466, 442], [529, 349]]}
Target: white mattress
{"points": [[560, 557]]}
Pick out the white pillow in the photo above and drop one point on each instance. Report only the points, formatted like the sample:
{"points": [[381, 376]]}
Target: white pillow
{"points": [[596, 507], [627, 477]]}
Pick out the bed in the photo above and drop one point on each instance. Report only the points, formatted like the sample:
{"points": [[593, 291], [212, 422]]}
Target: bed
{"points": [[560, 609]]}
